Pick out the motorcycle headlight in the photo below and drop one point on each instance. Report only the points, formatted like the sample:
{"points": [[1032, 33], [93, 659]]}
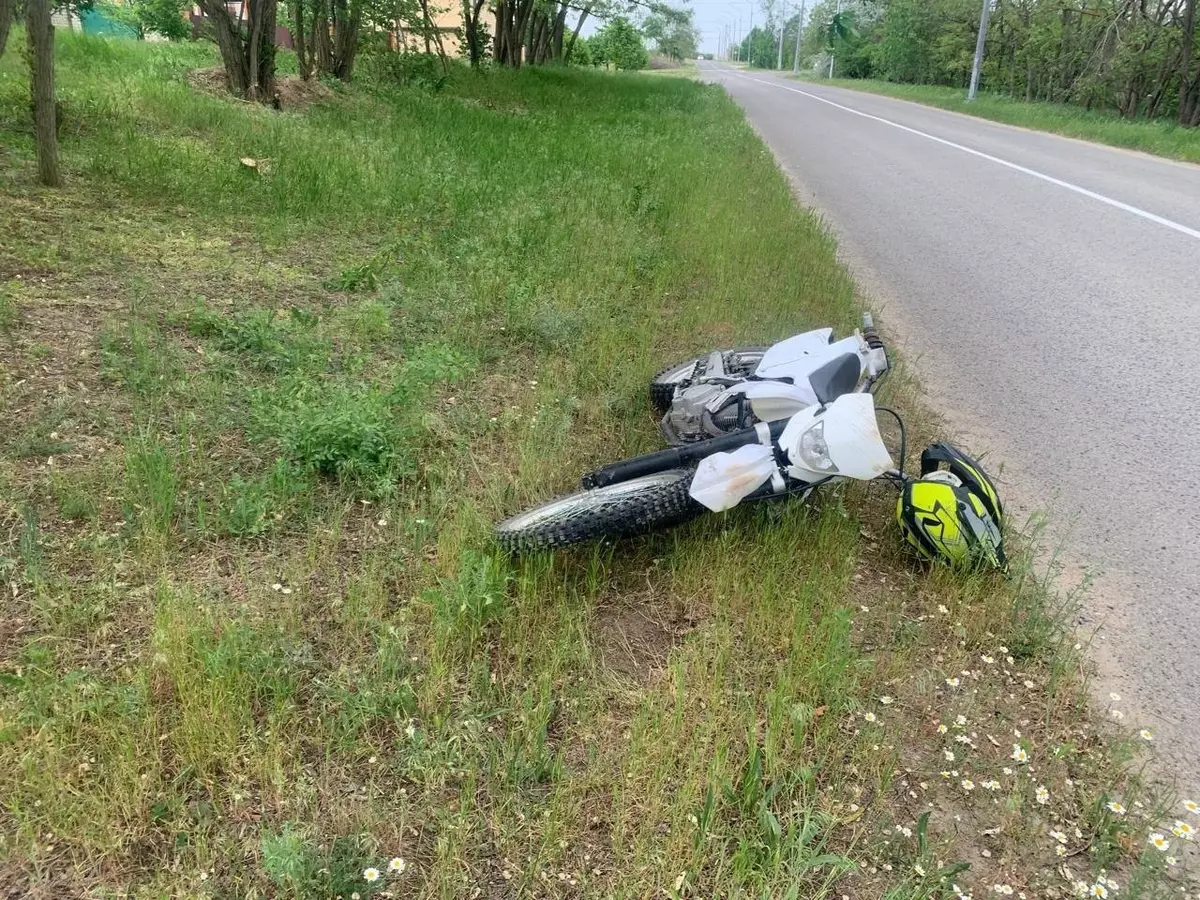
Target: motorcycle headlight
{"points": [[814, 452]]}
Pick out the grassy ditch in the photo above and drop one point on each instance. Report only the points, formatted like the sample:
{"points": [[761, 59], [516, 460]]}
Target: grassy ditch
{"points": [[254, 639]]}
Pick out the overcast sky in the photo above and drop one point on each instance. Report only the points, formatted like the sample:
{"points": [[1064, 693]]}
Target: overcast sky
{"points": [[713, 16]]}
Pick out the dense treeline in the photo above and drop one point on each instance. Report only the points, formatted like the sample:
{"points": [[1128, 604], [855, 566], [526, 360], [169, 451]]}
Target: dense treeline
{"points": [[1136, 57]]}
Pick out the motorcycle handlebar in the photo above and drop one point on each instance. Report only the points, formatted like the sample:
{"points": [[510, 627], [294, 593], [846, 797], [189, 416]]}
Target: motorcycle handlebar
{"points": [[676, 457]]}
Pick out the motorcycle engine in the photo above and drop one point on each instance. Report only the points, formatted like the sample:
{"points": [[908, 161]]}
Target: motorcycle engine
{"points": [[684, 421], [687, 420]]}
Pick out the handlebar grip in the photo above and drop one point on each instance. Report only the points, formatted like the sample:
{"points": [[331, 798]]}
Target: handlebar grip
{"points": [[874, 341]]}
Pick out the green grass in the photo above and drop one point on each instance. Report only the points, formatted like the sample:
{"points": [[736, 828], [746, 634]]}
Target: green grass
{"points": [[1161, 137], [254, 637]]}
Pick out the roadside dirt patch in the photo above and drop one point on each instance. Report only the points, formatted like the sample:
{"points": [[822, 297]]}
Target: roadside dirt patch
{"points": [[635, 637], [293, 91]]}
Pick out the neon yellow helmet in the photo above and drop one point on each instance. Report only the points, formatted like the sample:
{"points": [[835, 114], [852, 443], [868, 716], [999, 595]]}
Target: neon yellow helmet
{"points": [[953, 515]]}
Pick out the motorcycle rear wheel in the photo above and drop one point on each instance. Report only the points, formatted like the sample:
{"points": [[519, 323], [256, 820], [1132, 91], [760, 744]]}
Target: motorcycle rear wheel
{"points": [[741, 361], [637, 506]]}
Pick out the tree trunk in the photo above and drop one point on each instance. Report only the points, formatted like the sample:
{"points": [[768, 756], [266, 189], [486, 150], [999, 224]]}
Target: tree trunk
{"points": [[472, 30], [304, 61], [39, 34], [583, 14], [557, 37], [346, 20], [8, 10], [249, 61], [229, 43], [321, 48], [1189, 83], [426, 25]]}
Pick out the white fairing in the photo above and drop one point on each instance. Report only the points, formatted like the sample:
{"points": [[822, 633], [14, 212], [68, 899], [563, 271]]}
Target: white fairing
{"points": [[795, 349], [769, 400], [850, 433], [723, 480], [797, 361]]}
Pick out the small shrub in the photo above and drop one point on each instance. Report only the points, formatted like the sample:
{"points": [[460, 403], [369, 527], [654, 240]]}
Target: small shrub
{"points": [[358, 434], [249, 505], [415, 70], [270, 343], [288, 859]]}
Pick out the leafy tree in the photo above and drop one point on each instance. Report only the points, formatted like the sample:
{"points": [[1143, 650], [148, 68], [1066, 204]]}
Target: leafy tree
{"points": [[1139, 58], [758, 48], [579, 52], [163, 17], [907, 34], [620, 44], [142, 17], [673, 33]]}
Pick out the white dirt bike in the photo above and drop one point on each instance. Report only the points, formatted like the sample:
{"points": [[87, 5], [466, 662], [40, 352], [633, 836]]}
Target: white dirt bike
{"points": [[814, 424], [728, 390]]}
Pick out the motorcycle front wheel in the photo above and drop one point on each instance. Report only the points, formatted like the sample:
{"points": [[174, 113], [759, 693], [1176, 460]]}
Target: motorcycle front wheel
{"points": [[739, 363], [637, 506]]}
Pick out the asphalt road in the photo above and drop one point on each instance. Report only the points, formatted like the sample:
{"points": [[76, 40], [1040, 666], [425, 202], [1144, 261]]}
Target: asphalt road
{"points": [[1048, 290]]}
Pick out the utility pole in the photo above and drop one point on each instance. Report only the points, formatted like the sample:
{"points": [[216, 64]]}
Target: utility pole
{"points": [[737, 41], [980, 41], [831, 37], [799, 31], [782, 23], [750, 38]]}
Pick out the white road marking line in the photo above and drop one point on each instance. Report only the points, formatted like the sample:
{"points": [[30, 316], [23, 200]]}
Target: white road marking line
{"points": [[1145, 214]]}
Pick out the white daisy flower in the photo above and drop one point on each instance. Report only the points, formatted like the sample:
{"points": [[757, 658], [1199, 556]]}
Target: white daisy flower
{"points": [[870, 717], [1118, 808], [953, 682], [1159, 841], [370, 873], [1043, 795], [1184, 830], [1191, 806], [397, 865], [1146, 734], [1019, 753], [967, 785]]}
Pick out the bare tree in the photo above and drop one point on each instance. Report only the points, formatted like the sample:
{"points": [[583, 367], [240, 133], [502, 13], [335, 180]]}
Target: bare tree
{"points": [[39, 34], [248, 55]]}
